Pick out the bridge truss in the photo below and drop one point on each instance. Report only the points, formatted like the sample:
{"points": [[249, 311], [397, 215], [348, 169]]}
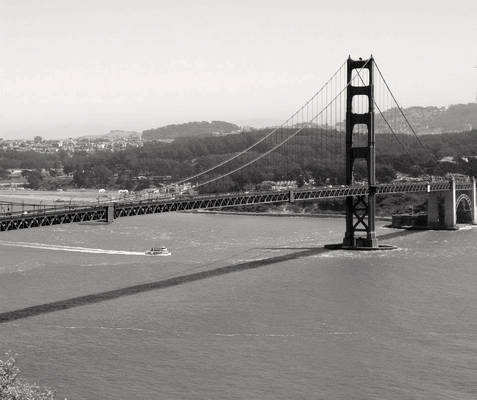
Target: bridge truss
{"points": [[109, 212]]}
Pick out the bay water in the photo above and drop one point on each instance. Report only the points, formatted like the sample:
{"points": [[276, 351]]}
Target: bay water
{"points": [[260, 310]]}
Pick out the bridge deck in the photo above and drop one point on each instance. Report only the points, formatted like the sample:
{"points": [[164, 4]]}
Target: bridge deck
{"points": [[119, 209]]}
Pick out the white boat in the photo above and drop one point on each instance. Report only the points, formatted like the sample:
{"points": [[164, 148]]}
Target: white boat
{"points": [[158, 251]]}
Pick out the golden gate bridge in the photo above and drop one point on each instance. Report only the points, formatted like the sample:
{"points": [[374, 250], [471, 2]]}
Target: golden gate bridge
{"points": [[338, 128]]}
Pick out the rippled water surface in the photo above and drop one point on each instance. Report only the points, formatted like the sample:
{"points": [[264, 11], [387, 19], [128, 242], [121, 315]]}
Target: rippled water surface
{"points": [[278, 317]]}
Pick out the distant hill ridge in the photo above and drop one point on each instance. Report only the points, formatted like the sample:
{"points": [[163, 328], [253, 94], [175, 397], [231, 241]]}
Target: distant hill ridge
{"points": [[197, 128], [114, 134], [432, 120]]}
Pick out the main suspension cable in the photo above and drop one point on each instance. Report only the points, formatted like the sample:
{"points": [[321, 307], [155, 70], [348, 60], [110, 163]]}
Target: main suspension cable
{"points": [[436, 161], [392, 130], [280, 143], [263, 138]]}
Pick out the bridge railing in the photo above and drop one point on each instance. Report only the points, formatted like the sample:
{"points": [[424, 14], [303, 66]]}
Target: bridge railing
{"points": [[307, 193], [46, 210]]}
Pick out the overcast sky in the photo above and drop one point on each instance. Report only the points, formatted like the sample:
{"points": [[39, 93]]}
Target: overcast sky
{"points": [[73, 67]]}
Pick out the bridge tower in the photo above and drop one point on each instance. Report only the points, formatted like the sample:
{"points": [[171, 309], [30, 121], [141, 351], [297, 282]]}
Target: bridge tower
{"points": [[360, 210]]}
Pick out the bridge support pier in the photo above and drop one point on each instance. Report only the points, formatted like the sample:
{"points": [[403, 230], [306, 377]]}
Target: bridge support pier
{"points": [[441, 209], [110, 213], [473, 198]]}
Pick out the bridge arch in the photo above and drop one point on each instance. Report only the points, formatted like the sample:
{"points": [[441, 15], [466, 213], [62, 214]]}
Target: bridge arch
{"points": [[464, 209]]}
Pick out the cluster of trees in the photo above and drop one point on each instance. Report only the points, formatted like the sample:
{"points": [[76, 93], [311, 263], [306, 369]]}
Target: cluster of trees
{"points": [[29, 160], [13, 387], [314, 153], [425, 155]]}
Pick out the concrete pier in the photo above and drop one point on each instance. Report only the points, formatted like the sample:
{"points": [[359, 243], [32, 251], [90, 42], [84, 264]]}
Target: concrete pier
{"points": [[110, 213], [441, 209], [473, 198]]}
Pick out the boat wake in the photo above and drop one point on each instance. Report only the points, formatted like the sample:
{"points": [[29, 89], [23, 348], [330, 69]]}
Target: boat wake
{"points": [[187, 333], [466, 227], [54, 247]]}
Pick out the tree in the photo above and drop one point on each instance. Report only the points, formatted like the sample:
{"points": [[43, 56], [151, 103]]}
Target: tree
{"points": [[415, 170], [385, 173], [33, 178], [102, 175], [12, 387], [3, 173], [142, 184], [300, 181]]}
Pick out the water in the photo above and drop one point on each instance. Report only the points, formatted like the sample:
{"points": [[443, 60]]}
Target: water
{"points": [[302, 323]]}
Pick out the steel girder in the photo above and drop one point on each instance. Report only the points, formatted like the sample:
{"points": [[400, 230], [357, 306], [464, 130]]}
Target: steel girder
{"points": [[33, 220], [126, 209], [200, 202]]}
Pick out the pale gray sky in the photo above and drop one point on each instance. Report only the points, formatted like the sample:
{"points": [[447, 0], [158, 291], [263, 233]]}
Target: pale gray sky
{"points": [[72, 67]]}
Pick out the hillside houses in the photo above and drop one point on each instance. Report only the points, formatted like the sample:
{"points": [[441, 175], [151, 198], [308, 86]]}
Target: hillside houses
{"points": [[70, 145]]}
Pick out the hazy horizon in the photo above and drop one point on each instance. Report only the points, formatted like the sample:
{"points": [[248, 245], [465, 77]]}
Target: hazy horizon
{"points": [[72, 68]]}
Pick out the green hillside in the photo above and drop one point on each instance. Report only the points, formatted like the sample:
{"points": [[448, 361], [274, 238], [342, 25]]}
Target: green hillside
{"points": [[189, 129]]}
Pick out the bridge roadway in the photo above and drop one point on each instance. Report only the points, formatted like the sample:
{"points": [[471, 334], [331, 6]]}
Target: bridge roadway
{"points": [[111, 210]]}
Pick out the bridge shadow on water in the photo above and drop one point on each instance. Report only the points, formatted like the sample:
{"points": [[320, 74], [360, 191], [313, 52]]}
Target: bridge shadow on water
{"points": [[73, 302]]}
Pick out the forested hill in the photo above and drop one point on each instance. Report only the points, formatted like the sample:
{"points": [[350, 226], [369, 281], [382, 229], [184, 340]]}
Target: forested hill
{"points": [[432, 120], [188, 156], [189, 129]]}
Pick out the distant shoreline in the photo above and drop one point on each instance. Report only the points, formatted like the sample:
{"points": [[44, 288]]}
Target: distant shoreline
{"points": [[49, 196], [276, 214]]}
